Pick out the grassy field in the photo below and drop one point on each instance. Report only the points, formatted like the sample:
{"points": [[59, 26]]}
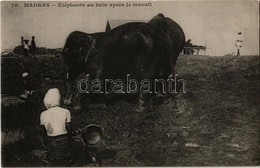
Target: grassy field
{"points": [[216, 123]]}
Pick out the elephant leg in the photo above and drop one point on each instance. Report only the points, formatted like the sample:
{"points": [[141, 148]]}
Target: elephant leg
{"points": [[163, 88], [77, 92], [140, 103], [71, 78], [67, 100], [168, 97], [77, 104], [144, 102], [69, 93]]}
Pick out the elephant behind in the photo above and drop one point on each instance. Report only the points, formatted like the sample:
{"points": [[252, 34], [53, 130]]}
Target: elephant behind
{"points": [[174, 31]]}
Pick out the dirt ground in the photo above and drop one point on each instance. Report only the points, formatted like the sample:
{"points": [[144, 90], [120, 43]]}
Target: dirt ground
{"points": [[216, 123]]}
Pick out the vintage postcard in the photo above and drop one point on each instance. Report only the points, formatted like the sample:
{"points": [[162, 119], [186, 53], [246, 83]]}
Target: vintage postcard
{"points": [[130, 83]]}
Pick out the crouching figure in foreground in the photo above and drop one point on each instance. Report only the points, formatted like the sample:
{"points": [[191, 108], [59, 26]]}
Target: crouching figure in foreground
{"points": [[57, 133]]}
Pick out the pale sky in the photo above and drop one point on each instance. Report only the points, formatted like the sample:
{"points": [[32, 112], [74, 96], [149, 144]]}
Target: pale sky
{"points": [[215, 23]]}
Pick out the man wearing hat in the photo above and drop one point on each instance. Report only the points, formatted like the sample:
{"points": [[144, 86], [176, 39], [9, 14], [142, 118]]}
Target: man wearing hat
{"points": [[26, 48], [33, 47]]}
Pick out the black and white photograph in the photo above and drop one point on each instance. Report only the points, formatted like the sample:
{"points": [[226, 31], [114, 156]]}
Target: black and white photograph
{"points": [[130, 83]]}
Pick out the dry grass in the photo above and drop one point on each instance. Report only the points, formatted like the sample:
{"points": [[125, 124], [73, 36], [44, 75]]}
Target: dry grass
{"points": [[216, 123], [12, 136]]}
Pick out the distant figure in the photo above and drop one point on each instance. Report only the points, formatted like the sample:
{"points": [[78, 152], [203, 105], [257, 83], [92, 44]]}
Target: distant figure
{"points": [[238, 52], [238, 43], [22, 41], [26, 48], [28, 86], [33, 47]]}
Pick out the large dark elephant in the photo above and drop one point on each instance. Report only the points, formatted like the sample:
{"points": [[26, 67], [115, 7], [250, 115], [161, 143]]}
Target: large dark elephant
{"points": [[174, 31], [138, 49]]}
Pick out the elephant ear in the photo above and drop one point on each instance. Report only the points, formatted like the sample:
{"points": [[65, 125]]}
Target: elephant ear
{"points": [[87, 45], [94, 63], [91, 48]]}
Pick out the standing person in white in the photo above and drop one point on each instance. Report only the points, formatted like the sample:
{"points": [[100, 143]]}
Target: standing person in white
{"points": [[238, 43]]}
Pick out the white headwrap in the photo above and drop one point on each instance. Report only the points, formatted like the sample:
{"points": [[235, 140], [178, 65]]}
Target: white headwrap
{"points": [[52, 98]]}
